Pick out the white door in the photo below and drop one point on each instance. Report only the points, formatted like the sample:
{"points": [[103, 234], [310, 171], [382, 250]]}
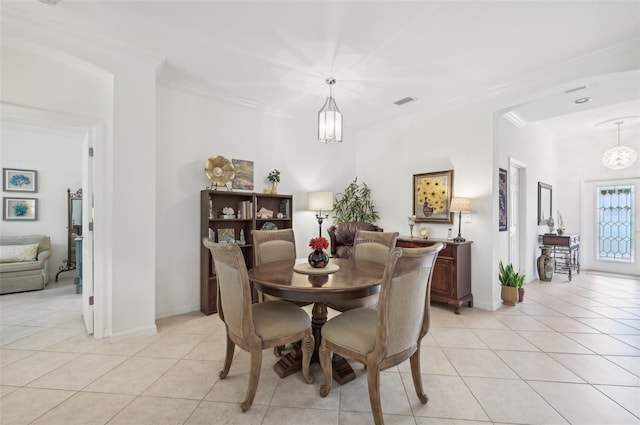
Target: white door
{"points": [[514, 214], [87, 232]]}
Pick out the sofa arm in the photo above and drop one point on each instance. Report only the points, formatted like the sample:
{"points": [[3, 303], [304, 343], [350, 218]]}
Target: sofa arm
{"points": [[44, 255]]}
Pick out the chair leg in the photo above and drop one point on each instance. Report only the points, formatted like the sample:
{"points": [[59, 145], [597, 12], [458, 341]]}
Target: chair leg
{"points": [[228, 358], [254, 377], [325, 362], [373, 382], [417, 377], [307, 351]]}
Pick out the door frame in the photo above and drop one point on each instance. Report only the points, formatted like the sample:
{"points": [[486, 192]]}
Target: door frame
{"points": [[93, 134]]}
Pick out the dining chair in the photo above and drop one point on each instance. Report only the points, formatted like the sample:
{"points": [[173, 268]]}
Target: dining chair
{"points": [[371, 246], [386, 336], [269, 246], [254, 327]]}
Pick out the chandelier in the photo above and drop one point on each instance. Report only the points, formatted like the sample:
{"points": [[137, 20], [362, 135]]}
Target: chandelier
{"points": [[619, 157], [330, 119]]}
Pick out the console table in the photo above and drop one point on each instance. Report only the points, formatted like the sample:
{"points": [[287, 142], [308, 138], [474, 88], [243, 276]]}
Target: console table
{"points": [[565, 252], [451, 280]]}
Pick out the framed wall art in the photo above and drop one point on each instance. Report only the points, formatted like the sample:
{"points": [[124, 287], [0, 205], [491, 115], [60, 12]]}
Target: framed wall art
{"points": [[432, 194], [502, 200], [20, 208], [244, 174], [16, 180]]}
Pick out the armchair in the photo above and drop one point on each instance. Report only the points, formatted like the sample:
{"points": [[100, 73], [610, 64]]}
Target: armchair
{"points": [[342, 235]]}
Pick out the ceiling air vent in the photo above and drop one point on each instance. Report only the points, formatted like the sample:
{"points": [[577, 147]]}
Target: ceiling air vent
{"points": [[575, 89], [405, 100]]}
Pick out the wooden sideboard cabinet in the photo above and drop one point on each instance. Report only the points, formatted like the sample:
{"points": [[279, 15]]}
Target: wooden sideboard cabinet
{"points": [[216, 226], [451, 280]]}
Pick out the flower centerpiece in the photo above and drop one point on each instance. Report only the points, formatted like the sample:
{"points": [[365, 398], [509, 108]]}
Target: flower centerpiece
{"points": [[318, 258]]}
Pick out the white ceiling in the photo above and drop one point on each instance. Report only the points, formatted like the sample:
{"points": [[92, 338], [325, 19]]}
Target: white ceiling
{"points": [[277, 54]]}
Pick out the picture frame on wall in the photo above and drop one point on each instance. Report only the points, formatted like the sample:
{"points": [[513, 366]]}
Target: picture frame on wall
{"points": [[20, 209], [17, 180], [432, 193], [503, 215]]}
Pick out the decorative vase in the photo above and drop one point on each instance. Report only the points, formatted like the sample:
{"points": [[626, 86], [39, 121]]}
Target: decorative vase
{"points": [[546, 264], [318, 259], [274, 188], [520, 295], [509, 295]]}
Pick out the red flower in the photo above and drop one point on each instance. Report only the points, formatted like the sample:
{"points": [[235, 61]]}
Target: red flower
{"points": [[318, 244]]}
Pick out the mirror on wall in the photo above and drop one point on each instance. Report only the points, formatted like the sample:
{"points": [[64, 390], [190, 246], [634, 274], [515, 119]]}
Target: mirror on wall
{"points": [[74, 229], [544, 203]]}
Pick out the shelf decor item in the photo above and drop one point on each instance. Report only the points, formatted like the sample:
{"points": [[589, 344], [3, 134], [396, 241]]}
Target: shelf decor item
{"points": [[432, 194], [219, 171], [318, 258], [16, 180], [274, 178]]}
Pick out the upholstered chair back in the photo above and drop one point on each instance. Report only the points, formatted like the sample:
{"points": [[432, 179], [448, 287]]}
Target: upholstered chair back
{"points": [[403, 306], [374, 246], [234, 291], [273, 245]]}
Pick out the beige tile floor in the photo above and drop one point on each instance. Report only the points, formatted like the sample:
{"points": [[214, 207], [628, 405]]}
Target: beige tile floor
{"points": [[570, 353]]}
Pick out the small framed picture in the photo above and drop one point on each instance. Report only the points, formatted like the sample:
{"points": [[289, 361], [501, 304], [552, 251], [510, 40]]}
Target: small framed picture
{"points": [[502, 200], [20, 209], [432, 194], [16, 180], [226, 235]]}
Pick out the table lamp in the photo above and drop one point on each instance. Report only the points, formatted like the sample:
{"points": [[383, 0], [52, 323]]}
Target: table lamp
{"points": [[460, 205], [319, 202]]}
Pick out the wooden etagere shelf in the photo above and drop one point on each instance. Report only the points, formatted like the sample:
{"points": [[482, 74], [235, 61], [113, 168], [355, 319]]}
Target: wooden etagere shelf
{"points": [[214, 226]]}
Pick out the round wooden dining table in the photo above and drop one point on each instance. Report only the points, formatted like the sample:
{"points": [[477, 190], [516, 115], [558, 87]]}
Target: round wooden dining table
{"points": [[354, 279]]}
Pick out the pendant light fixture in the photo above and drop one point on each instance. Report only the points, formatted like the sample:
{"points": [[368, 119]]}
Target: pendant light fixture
{"points": [[330, 119], [619, 157]]}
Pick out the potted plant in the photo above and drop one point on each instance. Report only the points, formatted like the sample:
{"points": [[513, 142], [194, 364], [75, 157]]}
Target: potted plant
{"points": [[274, 178], [510, 281], [355, 204]]}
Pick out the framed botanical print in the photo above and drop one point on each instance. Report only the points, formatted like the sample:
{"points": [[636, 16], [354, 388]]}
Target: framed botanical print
{"points": [[20, 209], [432, 193], [16, 180]]}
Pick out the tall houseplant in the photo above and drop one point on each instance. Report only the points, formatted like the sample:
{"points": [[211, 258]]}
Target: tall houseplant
{"points": [[510, 281], [355, 204]]}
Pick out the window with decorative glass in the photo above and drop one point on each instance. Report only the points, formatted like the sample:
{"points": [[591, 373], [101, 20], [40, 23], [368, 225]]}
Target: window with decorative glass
{"points": [[615, 206]]}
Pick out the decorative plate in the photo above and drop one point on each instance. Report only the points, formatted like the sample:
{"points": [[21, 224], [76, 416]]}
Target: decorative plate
{"points": [[219, 170], [305, 268], [269, 226]]}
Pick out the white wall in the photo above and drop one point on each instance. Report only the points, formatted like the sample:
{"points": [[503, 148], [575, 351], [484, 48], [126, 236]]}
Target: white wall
{"points": [[57, 157], [192, 128]]}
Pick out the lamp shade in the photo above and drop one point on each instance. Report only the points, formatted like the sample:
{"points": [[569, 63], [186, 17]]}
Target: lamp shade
{"points": [[460, 205], [321, 201]]}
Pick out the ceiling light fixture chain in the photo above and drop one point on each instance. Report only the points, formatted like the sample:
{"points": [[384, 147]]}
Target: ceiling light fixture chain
{"points": [[330, 118], [619, 157]]}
